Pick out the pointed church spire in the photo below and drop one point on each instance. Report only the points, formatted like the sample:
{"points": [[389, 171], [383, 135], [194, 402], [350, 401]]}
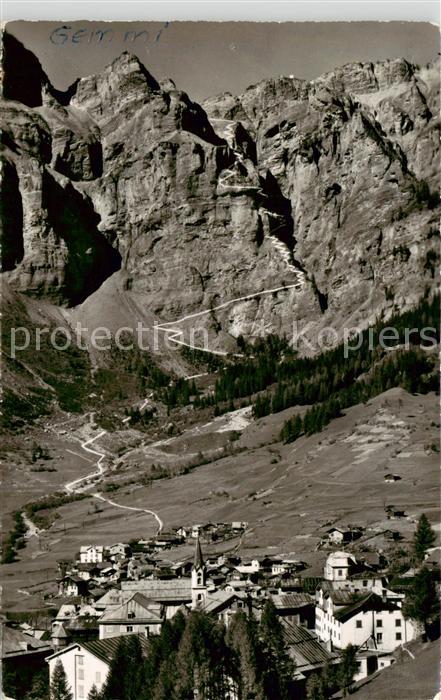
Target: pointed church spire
{"points": [[198, 559]]}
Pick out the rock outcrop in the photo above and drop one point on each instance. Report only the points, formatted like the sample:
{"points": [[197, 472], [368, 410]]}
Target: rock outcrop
{"points": [[306, 202]]}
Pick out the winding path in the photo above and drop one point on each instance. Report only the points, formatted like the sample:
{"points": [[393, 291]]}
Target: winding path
{"points": [[173, 332], [74, 486]]}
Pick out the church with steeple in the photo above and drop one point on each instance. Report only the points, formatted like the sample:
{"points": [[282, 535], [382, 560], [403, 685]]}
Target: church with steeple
{"points": [[198, 578]]}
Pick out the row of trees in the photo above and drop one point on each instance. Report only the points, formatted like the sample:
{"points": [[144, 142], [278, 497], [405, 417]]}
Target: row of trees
{"points": [[15, 539], [310, 380], [290, 380], [412, 370]]}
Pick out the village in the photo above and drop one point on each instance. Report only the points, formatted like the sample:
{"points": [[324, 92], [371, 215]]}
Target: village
{"points": [[109, 592]]}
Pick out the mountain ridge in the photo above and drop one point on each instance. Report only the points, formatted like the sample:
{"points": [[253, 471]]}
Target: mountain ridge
{"points": [[197, 208]]}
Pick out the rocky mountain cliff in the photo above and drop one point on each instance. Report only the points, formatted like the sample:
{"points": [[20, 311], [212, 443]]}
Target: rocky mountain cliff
{"points": [[308, 202]]}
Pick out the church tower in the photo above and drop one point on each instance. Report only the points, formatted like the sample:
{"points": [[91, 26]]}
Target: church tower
{"points": [[198, 578]]}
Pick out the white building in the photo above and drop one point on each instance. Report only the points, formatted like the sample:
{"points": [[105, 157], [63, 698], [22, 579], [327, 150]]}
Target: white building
{"points": [[338, 566], [286, 566], [91, 554], [249, 567], [118, 551], [87, 664], [371, 620]]}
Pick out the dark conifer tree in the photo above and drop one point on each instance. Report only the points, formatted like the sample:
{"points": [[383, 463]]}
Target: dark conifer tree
{"points": [[278, 668], [59, 687], [424, 537]]}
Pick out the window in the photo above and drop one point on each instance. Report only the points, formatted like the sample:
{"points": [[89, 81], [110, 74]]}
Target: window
{"points": [[365, 583], [397, 623], [81, 691], [379, 623], [129, 628], [98, 676], [379, 637], [398, 636], [340, 572], [80, 660], [147, 632], [359, 624], [81, 674], [131, 615]]}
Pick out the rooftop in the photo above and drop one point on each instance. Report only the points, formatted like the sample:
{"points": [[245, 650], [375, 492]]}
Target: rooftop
{"points": [[304, 647], [15, 643]]}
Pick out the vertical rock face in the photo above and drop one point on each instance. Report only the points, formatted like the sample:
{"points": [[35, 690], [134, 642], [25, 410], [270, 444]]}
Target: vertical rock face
{"points": [[356, 152], [306, 202]]}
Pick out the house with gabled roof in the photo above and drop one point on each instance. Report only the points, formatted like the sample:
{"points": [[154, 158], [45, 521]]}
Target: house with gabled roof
{"points": [[345, 617], [305, 650], [225, 604], [91, 554], [297, 608], [72, 586], [87, 664], [22, 655], [137, 615], [343, 535]]}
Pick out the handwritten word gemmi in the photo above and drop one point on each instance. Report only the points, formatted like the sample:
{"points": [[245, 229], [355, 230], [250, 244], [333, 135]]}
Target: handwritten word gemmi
{"points": [[64, 35]]}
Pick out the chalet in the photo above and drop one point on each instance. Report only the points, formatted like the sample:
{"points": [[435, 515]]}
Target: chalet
{"points": [[344, 617], [284, 567], [138, 615], [140, 565], [23, 655], [297, 608], [72, 586], [182, 568], [88, 571], [249, 567], [69, 612], [196, 530], [371, 660], [91, 554], [225, 604], [87, 664], [183, 532], [118, 551], [59, 637], [238, 525], [395, 513], [166, 540], [391, 478], [306, 651], [342, 536], [108, 573], [339, 566]]}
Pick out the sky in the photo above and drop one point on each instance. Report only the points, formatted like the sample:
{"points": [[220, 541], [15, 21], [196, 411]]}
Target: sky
{"points": [[207, 58]]}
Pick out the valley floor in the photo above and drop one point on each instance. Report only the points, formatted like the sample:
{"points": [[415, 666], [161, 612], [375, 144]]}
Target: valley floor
{"points": [[289, 494]]}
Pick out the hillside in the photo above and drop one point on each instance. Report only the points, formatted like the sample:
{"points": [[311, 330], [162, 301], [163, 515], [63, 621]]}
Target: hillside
{"points": [[289, 494]]}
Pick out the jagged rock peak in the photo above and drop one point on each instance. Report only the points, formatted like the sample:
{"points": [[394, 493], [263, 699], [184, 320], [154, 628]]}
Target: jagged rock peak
{"points": [[368, 76], [125, 80]]}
